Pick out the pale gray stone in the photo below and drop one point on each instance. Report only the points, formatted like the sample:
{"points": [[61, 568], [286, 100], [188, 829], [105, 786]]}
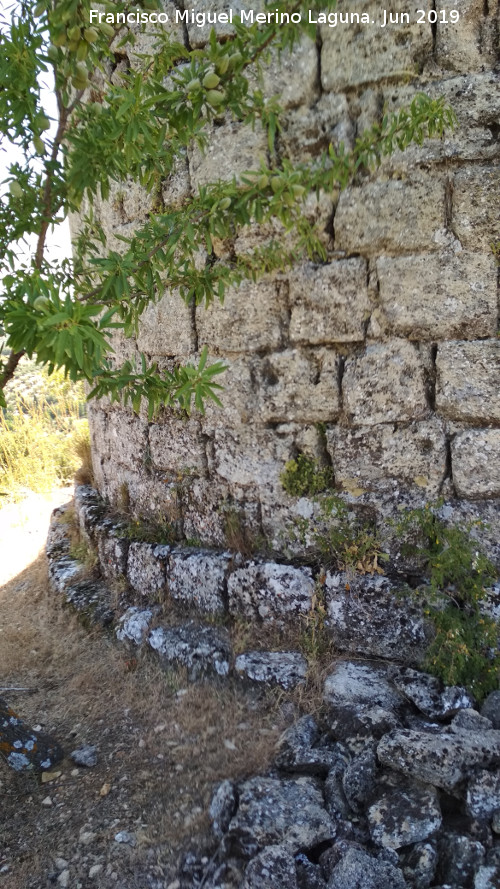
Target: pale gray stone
{"points": [[393, 51], [222, 807], [166, 327], [359, 780], [252, 318], [460, 45], [418, 863], [391, 216], [404, 817], [353, 683], [444, 759], [467, 380], [200, 648], [384, 384], [483, 795], [475, 457], [438, 296], [329, 302], [491, 708], [134, 625], [273, 868], [359, 869], [429, 695], [176, 447], [487, 878], [298, 750], [85, 756], [298, 386], [270, 812], [476, 194], [366, 616], [470, 720], [285, 668], [269, 591], [372, 458], [198, 578], [146, 568], [231, 151]]}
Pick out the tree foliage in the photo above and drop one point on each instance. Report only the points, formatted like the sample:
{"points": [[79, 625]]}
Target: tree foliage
{"points": [[135, 126]]}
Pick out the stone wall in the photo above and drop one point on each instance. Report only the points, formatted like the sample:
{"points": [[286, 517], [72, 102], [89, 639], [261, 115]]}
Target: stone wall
{"points": [[382, 362]]}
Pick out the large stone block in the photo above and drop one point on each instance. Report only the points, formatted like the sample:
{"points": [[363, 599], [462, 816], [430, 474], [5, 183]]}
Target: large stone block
{"points": [[353, 54], [203, 517], [166, 327], [146, 568], [475, 99], [371, 458], [476, 197], [329, 302], [251, 456], [293, 77], [439, 296], [396, 216], [306, 132], [199, 30], [128, 442], [232, 149], [384, 384], [475, 458], [468, 381], [253, 317], [176, 446], [460, 45], [298, 386], [198, 578], [269, 591]]}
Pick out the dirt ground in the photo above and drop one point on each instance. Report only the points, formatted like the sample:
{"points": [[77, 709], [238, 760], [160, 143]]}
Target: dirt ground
{"points": [[162, 744]]}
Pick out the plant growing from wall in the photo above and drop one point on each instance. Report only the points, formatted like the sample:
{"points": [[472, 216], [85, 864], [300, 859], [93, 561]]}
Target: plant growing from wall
{"points": [[465, 647], [134, 126]]}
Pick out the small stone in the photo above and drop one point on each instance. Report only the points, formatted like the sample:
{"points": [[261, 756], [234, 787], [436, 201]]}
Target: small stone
{"points": [[60, 864], [87, 837], [47, 777], [470, 721], [63, 879], [357, 683], [105, 789], [95, 870], [222, 807], [85, 756], [483, 795], [418, 863], [74, 773], [491, 708], [404, 817], [284, 668], [125, 836], [47, 801], [358, 870], [273, 868]]}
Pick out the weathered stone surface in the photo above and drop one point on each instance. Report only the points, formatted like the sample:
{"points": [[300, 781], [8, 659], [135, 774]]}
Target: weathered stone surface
{"points": [[112, 549], [92, 599], [404, 817], [176, 446], [127, 437], [444, 759], [438, 296], [370, 458], [199, 578], [487, 878], [134, 625], [252, 318], [309, 875], [353, 683], [483, 795], [166, 327], [359, 869], [270, 591], [491, 709], [273, 868], [298, 386], [85, 756], [459, 45], [475, 457], [459, 858], [63, 572], [476, 194], [353, 54], [22, 747], [146, 567], [231, 151], [418, 863], [284, 668], [200, 648], [271, 812], [367, 617], [356, 725], [467, 380], [359, 780], [391, 216], [470, 720], [293, 77], [308, 131], [298, 750], [385, 384], [329, 302], [222, 807], [428, 693], [333, 790]]}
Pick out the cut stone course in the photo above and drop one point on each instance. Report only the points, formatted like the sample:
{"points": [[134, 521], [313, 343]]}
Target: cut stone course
{"points": [[385, 384], [270, 591], [285, 668], [200, 648], [199, 578], [252, 319], [475, 457], [467, 384], [439, 296], [329, 303], [298, 386], [146, 568], [476, 195]]}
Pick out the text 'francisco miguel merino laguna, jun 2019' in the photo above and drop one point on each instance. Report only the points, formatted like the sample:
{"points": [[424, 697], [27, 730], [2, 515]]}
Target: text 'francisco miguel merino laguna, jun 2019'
{"points": [[250, 17]]}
